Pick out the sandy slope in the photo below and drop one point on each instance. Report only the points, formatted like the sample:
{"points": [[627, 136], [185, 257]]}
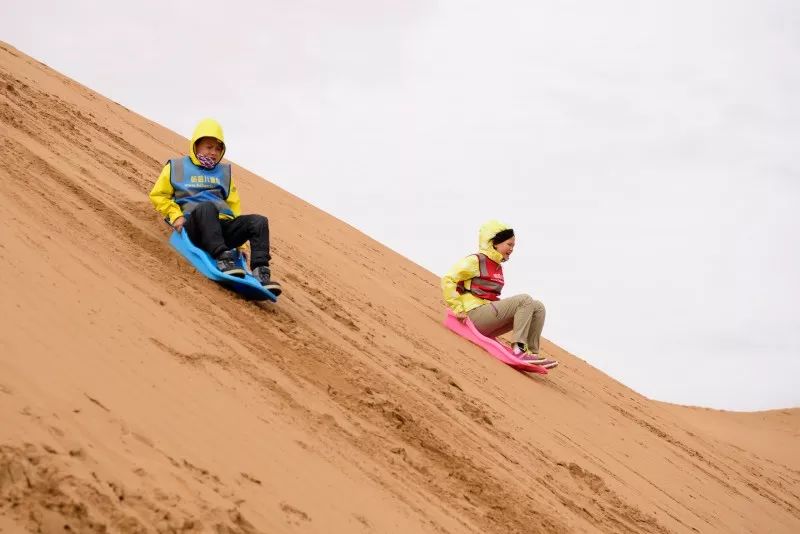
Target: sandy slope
{"points": [[136, 396]]}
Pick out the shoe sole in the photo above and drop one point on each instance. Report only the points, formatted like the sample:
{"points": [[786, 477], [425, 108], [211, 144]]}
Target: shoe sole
{"points": [[543, 362], [534, 362], [239, 273], [275, 290]]}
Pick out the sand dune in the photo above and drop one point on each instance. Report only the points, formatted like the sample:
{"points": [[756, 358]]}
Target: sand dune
{"points": [[137, 396]]}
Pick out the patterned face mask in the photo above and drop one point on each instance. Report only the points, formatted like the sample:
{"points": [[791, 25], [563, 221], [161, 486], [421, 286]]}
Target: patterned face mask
{"points": [[207, 161]]}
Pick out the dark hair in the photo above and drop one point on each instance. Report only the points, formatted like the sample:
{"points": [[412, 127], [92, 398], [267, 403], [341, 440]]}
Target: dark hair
{"points": [[502, 235]]}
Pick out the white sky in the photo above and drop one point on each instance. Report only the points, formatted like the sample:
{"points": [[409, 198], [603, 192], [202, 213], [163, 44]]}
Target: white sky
{"points": [[643, 151]]}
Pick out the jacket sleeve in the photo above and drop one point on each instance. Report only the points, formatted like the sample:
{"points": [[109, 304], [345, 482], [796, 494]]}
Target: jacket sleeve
{"points": [[233, 200], [163, 196], [465, 269]]}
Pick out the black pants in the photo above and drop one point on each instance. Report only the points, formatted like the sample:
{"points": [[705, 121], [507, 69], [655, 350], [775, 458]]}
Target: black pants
{"points": [[215, 236]]}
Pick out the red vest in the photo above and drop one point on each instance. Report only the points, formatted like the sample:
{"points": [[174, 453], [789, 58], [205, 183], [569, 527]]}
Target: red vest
{"points": [[489, 283]]}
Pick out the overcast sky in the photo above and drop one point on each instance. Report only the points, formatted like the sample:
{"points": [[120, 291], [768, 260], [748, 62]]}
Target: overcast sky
{"points": [[644, 152]]}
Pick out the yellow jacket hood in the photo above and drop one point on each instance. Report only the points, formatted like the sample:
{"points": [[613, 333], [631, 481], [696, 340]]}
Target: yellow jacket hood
{"points": [[206, 128], [488, 230]]}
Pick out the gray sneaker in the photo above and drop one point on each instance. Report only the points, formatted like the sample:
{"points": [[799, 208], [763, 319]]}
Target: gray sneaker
{"points": [[262, 274], [226, 263]]}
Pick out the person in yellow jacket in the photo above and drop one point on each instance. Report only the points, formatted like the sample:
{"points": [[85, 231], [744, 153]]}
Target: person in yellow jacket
{"points": [[472, 289], [196, 194]]}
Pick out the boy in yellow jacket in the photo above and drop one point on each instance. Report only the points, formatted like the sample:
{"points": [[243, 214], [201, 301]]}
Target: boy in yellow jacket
{"points": [[197, 195], [472, 289]]}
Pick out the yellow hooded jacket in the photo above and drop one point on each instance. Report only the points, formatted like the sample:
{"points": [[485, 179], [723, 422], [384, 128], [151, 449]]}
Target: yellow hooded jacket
{"points": [[163, 195], [468, 268]]}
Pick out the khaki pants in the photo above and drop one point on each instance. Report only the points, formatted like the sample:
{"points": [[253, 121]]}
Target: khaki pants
{"points": [[519, 313]]}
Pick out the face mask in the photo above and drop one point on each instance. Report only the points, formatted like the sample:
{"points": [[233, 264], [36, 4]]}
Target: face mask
{"points": [[207, 161]]}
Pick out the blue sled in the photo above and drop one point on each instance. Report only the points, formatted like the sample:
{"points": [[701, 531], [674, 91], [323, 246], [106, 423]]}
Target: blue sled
{"points": [[249, 287]]}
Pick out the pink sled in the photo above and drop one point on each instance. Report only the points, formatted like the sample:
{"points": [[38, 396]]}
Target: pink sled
{"points": [[468, 331]]}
